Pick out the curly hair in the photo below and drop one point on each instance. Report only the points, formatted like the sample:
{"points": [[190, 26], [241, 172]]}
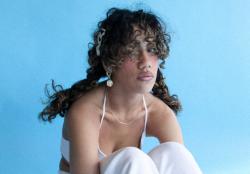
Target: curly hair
{"points": [[118, 43]]}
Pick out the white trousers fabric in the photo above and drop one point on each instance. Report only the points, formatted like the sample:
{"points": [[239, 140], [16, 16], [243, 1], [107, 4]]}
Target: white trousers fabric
{"points": [[166, 158]]}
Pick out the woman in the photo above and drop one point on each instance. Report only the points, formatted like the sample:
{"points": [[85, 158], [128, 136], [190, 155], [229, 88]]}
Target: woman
{"points": [[105, 121]]}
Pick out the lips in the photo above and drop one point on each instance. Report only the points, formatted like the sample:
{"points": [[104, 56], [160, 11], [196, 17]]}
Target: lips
{"points": [[145, 76]]}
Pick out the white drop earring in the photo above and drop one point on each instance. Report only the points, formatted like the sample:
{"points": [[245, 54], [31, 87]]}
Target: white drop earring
{"points": [[109, 82]]}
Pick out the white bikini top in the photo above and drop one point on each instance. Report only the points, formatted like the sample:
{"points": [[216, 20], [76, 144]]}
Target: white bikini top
{"points": [[101, 155]]}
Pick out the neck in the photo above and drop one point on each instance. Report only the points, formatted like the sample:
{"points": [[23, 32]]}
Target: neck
{"points": [[123, 102]]}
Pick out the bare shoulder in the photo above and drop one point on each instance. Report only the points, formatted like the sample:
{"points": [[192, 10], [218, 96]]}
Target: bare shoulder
{"points": [[85, 111], [162, 122]]}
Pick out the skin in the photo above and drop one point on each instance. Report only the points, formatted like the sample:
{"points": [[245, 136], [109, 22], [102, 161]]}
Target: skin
{"points": [[126, 93], [124, 101]]}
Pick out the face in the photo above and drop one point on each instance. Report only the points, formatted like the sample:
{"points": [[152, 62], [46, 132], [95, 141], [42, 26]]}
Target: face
{"points": [[139, 70]]}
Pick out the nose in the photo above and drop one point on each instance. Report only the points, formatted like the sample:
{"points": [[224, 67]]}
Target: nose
{"points": [[144, 61]]}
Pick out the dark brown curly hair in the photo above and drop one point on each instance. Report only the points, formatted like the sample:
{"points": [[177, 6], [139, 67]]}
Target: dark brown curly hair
{"points": [[118, 42]]}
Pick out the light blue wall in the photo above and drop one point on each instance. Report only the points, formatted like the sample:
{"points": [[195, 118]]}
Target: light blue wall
{"points": [[208, 68]]}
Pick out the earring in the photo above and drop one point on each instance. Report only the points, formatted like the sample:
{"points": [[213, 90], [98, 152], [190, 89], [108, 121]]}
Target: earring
{"points": [[109, 82]]}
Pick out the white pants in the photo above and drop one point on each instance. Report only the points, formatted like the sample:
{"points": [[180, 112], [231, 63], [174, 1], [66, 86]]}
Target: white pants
{"points": [[166, 158]]}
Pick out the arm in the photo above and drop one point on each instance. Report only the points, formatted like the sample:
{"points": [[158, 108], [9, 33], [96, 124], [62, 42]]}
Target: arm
{"points": [[164, 124], [83, 131]]}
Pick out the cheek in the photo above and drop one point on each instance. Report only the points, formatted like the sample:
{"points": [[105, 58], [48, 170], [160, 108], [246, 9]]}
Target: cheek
{"points": [[128, 66], [155, 63]]}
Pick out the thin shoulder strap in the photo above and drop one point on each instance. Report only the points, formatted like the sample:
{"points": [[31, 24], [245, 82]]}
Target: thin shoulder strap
{"points": [[146, 114], [103, 106]]}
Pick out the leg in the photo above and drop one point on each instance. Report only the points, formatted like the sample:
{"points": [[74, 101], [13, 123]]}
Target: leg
{"points": [[129, 160], [174, 158]]}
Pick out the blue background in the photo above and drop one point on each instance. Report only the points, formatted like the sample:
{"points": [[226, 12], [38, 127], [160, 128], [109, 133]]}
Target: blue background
{"points": [[208, 68]]}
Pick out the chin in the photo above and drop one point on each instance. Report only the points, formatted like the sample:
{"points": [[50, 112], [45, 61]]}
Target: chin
{"points": [[146, 88]]}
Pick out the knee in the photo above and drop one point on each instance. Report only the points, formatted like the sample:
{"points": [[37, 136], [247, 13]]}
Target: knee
{"points": [[171, 149], [175, 155], [135, 158], [171, 152], [133, 154], [129, 159]]}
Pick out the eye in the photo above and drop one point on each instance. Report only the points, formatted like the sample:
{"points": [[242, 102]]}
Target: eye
{"points": [[152, 50]]}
